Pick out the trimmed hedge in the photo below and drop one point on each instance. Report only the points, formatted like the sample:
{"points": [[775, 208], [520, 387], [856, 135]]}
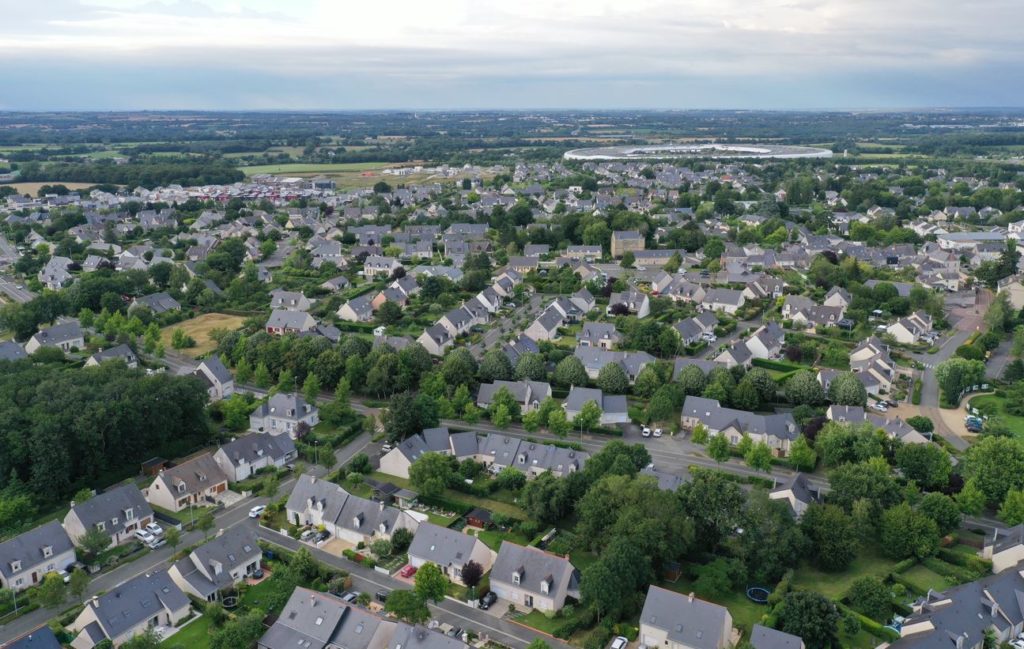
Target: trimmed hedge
{"points": [[869, 625], [779, 366], [444, 503], [974, 564]]}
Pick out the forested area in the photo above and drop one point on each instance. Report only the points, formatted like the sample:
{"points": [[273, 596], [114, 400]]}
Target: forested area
{"points": [[135, 174], [64, 429]]}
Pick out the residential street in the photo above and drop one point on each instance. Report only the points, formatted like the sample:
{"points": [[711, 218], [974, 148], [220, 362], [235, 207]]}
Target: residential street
{"points": [[9, 287]]}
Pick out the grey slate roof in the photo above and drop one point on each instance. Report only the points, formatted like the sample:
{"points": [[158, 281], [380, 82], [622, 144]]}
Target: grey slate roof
{"points": [[341, 507], [107, 506], [136, 600], [235, 547], [41, 638], [158, 302], [534, 566], [441, 545], [688, 620], [258, 445], [59, 333], [417, 637], [11, 351], [123, 352], [217, 369], [762, 637], [314, 620], [28, 547], [713, 415]]}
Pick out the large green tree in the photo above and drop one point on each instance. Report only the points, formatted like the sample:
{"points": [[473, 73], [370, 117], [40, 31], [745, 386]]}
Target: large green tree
{"points": [[810, 616]]}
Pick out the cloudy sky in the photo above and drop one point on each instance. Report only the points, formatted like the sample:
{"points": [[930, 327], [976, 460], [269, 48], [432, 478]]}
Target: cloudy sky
{"points": [[355, 54]]}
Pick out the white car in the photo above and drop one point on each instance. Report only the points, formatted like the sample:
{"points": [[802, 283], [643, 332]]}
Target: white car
{"points": [[619, 643], [880, 407], [155, 529], [645, 431], [657, 432], [144, 536], [257, 511]]}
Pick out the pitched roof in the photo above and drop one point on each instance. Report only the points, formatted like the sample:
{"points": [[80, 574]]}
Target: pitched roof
{"points": [[688, 621], [254, 446], [135, 601], [441, 545], [111, 504], [27, 548], [533, 567], [762, 637], [196, 474]]}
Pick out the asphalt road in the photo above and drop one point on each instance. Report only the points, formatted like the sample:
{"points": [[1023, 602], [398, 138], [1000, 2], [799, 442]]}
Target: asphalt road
{"points": [[9, 287], [502, 324]]}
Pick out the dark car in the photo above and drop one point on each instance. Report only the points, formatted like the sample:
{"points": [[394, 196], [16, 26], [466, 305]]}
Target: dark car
{"points": [[323, 536], [487, 600], [454, 632], [382, 596]]}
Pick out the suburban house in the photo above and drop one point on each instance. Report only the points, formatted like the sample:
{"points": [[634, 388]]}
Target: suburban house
{"points": [[964, 616], [55, 274], [347, 517], [220, 384], [118, 512], [66, 336], [638, 302], [666, 481], [397, 461], [128, 609], [358, 309], [290, 301], [736, 354], [545, 327], [378, 266], [599, 334], [584, 253], [27, 558], [595, 358], [870, 362], [41, 638], [767, 341], [528, 394], [1004, 547], [199, 481], [676, 621], [762, 637], [626, 240], [497, 451], [119, 352], [614, 407], [289, 322], [219, 564], [796, 491], [449, 549], [436, 340], [531, 578], [911, 329], [282, 414], [11, 351], [523, 264], [778, 431], [315, 620], [156, 302], [243, 457], [723, 299], [838, 297]]}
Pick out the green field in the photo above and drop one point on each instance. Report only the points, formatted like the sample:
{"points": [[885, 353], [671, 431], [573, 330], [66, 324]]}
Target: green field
{"points": [[314, 168], [990, 404], [194, 635], [835, 584]]}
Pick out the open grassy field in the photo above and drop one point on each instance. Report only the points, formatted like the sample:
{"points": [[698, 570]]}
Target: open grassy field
{"points": [[200, 328], [299, 168], [33, 188], [835, 584], [990, 404]]}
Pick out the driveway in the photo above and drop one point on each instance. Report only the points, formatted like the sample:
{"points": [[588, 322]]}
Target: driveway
{"points": [[336, 546]]}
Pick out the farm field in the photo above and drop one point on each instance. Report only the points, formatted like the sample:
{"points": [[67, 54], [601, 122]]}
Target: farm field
{"points": [[32, 188], [200, 328], [299, 168]]}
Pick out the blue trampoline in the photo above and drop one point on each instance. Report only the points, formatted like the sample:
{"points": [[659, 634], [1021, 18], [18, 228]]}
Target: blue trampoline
{"points": [[758, 594]]}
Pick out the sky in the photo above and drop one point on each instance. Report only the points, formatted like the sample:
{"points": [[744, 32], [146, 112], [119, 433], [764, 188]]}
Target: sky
{"points": [[512, 54]]}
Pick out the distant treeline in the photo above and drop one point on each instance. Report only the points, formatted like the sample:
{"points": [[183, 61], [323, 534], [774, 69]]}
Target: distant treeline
{"points": [[136, 174]]}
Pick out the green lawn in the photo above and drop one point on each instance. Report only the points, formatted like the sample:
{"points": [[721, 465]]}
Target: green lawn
{"points": [[459, 497], [925, 579], [306, 167], [745, 613], [990, 404], [835, 584], [493, 538], [194, 635], [255, 595], [537, 620]]}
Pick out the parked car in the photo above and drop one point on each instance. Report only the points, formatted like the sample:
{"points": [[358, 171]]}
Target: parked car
{"points": [[487, 600], [307, 535], [645, 431], [350, 596], [880, 406], [155, 529], [322, 536], [257, 511], [657, 432], [619, 642], [157, 543], [144, 537], [382, 596], [407, 571], [454, 632]]}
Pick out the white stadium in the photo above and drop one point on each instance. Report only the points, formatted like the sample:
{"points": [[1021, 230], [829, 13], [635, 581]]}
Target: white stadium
{"points": [[705, 150]]}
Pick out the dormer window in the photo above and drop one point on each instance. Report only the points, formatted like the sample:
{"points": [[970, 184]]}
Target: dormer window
{"points": [[47, 551], [101, 526], [545, 585], [357, 520], [15, 566], [129, 514], [517, 576], [181, 487], [114, 521]]}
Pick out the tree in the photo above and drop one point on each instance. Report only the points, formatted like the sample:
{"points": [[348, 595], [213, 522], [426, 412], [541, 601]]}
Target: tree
{"points": [[943, 510], [839, 443], [759, 457], [921, 424], [692, 380], [1011, 511], [78, 583], [803, 388], [908, 533], [495, 366], [830, 532], [173, 537], [311, 388], [52, 591], [588, 417], [746, 396], [400, 540], [472, 573], [407, 605], [389, 313], [996, 464], [206, 523], [570, 372], [957, 374], [531, 421], [261, 377], [647, 382], [847, 390], [537, 643], [431, 474], [531, 367], [557, 423], [718, 578], [810, 616], [94, 541], [871, 596], [545, 498], [431, 584], [628, 259], [715, 504], [148, 639], [612, 379], [970, 499], [926, 464], [511, 479], [801, 455], [599, 590], [242, 631], [718, 448], [872, 480], [409, 413]]}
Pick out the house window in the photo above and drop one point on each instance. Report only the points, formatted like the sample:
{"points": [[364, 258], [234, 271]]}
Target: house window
{"points": [[129, 514], [101, 526], [113, 521]]}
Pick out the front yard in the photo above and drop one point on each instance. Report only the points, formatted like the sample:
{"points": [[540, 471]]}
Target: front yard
{"points": [[194, 635]]}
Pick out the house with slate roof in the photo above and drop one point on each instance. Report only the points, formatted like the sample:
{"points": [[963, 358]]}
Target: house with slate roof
{"points": [[241, 458], [199, 481], [448, 549], [528, 394], [118, 512], [65, 336], [315, 620], [282, 414], [531, 578], [346, 516], [219, 564], [676, 621], [27, 558], [778, 431], [220, 383], [119, 352]]}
